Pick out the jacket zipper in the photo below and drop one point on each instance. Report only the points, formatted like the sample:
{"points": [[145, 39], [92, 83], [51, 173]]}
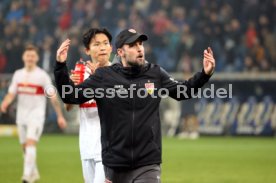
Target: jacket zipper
{"points": [[132, 133]]}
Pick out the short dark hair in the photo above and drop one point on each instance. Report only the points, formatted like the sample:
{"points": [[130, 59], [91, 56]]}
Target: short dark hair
{"points": [[87, 37], [31, 47]]}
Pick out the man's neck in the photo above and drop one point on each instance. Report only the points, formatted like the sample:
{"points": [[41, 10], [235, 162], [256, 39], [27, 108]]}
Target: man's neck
{"points": [[125, 64], [103, 64], [29, 69]]}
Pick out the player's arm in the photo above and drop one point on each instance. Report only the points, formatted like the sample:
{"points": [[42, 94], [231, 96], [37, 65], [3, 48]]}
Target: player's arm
{"points": [[8, 99], [60, 118], [70, 93], [76, 79], [181, 90]]}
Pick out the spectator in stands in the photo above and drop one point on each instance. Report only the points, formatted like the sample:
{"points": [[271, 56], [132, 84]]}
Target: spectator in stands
{"points": [[14, 51], [47, 55], [15, 13], [3, 60]]}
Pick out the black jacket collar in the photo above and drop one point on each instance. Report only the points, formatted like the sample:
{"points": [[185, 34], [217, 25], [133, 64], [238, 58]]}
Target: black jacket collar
{"points": [[130, 71]]}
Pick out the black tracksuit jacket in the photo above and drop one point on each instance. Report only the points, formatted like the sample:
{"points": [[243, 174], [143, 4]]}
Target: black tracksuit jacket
{"points": [[130, 126]]}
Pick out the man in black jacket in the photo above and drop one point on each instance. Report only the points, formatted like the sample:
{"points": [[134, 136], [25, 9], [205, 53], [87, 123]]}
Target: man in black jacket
{"points": [[128, 97]]}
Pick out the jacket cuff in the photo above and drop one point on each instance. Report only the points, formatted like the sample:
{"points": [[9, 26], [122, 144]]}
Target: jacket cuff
{"points": [[60, 65], [206, 75]]}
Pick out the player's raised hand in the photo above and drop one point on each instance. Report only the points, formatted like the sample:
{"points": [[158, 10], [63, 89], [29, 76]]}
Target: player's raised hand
{"points": [[92, 66], [209, 62], [62, 51]]}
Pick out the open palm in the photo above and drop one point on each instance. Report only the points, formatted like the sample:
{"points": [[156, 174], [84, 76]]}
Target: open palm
{"points": [[62, 51], [209, 62]]}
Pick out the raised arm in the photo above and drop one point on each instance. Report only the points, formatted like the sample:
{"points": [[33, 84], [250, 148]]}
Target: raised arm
{"points": [[70, 93], [181, 90]]}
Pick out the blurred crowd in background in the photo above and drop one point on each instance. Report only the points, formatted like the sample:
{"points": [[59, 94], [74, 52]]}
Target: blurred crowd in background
{"points": [[242, 33]]}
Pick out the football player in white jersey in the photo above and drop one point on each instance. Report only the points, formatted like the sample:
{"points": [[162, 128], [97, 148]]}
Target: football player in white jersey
{"points": [[97, 44], [28, 84]]}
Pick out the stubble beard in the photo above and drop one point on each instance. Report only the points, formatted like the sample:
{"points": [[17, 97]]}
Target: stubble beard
{"points": [[135, 63]]}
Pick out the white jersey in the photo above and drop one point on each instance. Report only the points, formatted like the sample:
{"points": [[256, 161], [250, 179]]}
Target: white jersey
{"points": [[90, 130], [31, 101]]}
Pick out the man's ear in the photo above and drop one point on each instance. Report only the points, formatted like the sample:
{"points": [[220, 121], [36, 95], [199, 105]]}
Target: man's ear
{"points": [[86, 51], [120, 51]]}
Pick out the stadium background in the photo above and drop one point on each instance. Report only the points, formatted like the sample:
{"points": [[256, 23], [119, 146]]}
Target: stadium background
{"points": [[242, 34]]}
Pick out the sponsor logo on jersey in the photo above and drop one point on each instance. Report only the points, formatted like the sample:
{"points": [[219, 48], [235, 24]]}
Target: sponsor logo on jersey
{"points": [[149, 87], [29, 89]]}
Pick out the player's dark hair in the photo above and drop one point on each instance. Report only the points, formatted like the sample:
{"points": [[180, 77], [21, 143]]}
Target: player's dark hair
{"points": [[91, 33], [31, 47]]}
